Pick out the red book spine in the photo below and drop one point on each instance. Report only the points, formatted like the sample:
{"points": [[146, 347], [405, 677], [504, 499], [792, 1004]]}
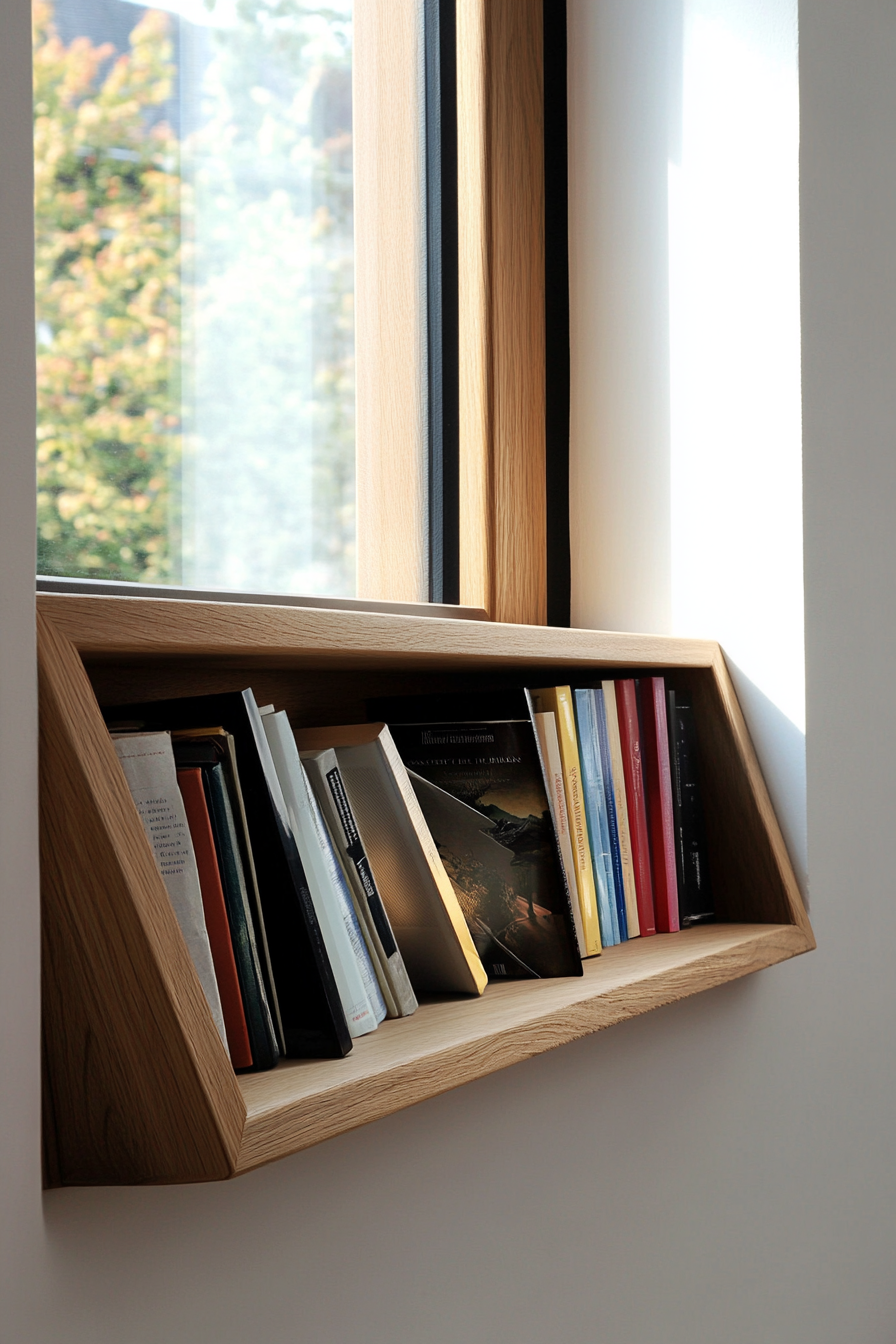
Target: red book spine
{"points": [[630, 735], [658, 778], [216, 922]]}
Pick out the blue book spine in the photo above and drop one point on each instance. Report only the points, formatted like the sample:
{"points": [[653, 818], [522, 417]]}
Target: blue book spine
{"points": [[598, 833], [603, 740]]}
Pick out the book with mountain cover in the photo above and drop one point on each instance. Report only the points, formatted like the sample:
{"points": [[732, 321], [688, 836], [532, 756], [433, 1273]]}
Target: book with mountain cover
{"points": [[510, 882]]}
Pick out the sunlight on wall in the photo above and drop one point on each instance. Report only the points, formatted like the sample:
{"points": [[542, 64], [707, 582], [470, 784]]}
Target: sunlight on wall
{"points": [[685, 448], [736, 490]]}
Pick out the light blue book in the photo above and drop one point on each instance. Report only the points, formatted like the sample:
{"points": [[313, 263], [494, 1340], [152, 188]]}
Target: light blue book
{"points": [[606, 765], [596, 812]]}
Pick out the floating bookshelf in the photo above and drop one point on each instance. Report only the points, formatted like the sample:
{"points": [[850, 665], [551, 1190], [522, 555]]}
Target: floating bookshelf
{"points": [[138, 1087]]}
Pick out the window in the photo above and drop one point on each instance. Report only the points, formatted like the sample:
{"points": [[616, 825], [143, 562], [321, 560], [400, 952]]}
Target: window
{"points": [[195, 292], [277, 350]]}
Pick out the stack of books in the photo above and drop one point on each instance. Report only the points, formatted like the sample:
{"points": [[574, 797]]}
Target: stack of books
{"points": [[325, 877]]}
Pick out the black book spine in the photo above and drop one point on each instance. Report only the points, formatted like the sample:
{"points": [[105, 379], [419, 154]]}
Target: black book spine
{"points": [[695, 898], [262, 1039], [314, 1025]]}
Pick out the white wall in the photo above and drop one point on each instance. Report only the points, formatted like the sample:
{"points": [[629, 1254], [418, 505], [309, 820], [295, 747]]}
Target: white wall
{"points": [[685, 427], [719, 1172]]}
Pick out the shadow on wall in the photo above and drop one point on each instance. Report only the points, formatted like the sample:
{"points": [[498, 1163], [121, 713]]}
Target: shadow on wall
{"points": [[781, 748]]}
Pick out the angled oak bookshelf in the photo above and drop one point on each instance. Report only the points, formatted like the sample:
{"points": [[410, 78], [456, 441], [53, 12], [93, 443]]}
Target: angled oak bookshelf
{"points": [[137, 1085]]}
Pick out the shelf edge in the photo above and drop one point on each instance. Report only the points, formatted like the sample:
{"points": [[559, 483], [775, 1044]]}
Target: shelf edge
{"points": [[294, 1126]]}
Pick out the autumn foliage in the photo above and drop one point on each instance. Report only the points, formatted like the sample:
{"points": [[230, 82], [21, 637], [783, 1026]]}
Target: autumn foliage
{"points": [[107, 205]]}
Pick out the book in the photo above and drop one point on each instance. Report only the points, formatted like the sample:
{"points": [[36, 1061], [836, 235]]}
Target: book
{"points": [[596, 811], [147, 760], [658, 783], [362, 1002], [606, 765], [630, 738], [189, 782], [323, 772], [695, 896], [422, 905], [491, 820], [546, 727], [622, 821], [313, 1022], [209, 752], [558, 700], [224, 751], [481, 873]]}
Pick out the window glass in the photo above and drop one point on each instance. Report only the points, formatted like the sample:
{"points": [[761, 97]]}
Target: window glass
{"points": [[195, 282]]}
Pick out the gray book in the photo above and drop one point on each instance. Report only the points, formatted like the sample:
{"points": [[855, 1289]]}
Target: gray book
{"points": [[422, 905], [326, 780]]}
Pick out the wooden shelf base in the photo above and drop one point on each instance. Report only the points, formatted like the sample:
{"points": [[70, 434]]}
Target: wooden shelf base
{"points": [[452, 1041]]}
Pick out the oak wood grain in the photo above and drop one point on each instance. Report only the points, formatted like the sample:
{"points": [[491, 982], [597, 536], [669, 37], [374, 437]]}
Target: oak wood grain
{"points": [[501, 308], [139, 1086], [448, 1043], [156, 628]]}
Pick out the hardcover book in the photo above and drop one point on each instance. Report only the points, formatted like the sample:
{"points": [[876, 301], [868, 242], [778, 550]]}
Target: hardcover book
{"points": [[622, 819], [598, 825], [213, 752], [546, 728], [558, 700], [314, 1024], [630, 737], [606, 765], [658, 779], [190, 784], [147, 760], [695, 897]]}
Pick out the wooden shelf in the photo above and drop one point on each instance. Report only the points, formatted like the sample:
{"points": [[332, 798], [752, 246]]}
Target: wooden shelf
{"points": [[138, 1087]]}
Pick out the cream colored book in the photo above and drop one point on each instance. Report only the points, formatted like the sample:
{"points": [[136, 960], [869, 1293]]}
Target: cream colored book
{"points": [[546, 728], [558, 700], [622, 826], [423, 908], [147, 760]]}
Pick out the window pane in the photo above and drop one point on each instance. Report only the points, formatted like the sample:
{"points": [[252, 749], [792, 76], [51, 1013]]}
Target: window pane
{"points": [[195, 281]]}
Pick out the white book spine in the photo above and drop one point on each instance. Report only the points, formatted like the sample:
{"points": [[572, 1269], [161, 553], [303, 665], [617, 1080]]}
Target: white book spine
{"points": [[346, 905], [322, 770], [148, 763], [360, 1014]]}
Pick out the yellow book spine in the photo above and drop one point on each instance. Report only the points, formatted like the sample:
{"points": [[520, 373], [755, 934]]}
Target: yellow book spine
{"points": [[625, 839], [558, 699]]}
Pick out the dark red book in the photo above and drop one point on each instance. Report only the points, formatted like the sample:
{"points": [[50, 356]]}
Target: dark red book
{"points": [[190, 784], [630, 737], [660, 816]]}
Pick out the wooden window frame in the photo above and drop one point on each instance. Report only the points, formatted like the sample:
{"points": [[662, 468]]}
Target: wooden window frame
{"points": [[501, 307]]}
